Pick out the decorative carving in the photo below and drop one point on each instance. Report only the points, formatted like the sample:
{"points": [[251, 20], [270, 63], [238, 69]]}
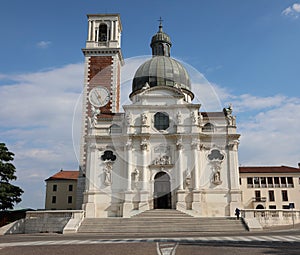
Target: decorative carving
{"points": [[179, 144], [128, 119], [144, 144], [144, 118], [129, 144], [108, 165], [179, 118], [146, 86], [193, 118], [233, 145], [195, 144], [163, 160], [188, 180], [94, 119]]}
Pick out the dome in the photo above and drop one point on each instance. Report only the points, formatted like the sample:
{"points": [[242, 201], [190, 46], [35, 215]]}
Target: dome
{"points": [[161, 69]]}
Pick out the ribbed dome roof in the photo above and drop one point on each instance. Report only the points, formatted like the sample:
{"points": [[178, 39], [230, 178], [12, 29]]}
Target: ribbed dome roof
{"points": [[161, 71]]}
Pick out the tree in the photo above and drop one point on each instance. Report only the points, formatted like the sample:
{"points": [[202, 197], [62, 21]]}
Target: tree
{"points": [[9, 194]]}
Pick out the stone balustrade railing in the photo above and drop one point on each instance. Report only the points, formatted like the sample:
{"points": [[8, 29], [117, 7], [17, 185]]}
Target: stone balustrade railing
{"points": [[272, 217]]}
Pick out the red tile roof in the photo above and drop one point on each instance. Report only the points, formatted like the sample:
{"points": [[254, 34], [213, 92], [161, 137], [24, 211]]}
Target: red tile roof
{"points": [[268, 169], [64, 175]]}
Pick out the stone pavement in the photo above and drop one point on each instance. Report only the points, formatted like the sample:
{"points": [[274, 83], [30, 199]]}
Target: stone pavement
{"points": [[191, 240]]}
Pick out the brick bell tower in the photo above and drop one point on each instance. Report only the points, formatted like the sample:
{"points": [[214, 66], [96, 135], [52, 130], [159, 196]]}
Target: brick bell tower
{"points": [[101, 92]]}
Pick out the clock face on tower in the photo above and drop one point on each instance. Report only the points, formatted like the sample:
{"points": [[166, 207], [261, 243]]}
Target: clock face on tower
{"points": [[99, 96]]}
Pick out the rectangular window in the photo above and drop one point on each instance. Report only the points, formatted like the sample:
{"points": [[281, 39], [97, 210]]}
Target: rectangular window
{"points": [[283, 182], [70, 199], [285, 207], [70, 187], [249, 182], [257, 196], [276, 181], [284, 195], [256, 182], [271, 195], [272, 206], [53, 199], [290, 182], [270, 182], [54, 188], [263, 182]]}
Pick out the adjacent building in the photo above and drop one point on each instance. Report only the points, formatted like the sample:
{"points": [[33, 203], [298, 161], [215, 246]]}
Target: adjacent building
{"points": [[270, 187], [61, 190]]}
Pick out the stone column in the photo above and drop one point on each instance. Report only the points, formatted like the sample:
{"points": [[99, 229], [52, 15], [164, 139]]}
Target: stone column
{"points": [[89, 195], [181, 204], [233, 168], [112, 30], [195, 148], [144, 199], [128, 163], [179, 147], [128, 194]]}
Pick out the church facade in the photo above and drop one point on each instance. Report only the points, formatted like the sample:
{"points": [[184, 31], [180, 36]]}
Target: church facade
{"points": [[160, 151]]}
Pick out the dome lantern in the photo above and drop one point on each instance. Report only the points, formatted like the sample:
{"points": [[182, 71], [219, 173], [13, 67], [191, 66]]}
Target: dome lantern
{"points": [[161, 42]]}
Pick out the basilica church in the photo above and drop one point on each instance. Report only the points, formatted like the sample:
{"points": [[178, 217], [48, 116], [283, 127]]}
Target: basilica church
{"points": [[161, 151]]}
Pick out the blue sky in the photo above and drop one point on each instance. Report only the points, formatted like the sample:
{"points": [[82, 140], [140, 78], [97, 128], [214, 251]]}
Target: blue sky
{"points": [[248, 51]]}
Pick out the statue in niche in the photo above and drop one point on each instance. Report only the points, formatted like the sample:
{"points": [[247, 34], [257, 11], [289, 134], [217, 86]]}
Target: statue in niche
{"points": [[107, 173], [217, 178], [216, 167]]}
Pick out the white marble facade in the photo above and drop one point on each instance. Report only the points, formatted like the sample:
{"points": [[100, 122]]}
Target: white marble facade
{"points": [[162, 152]]}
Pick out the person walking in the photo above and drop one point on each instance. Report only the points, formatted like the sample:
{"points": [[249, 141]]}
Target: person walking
{"points": [[237, 213]]}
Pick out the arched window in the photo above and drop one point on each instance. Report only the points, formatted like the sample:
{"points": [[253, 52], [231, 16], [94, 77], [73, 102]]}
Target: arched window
{"points": [[161, 121], [208, 127], [102, 33], [115, 129]]}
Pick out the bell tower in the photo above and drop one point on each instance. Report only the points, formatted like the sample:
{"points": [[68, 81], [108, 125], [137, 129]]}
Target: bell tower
{"points": [[102, 68]]}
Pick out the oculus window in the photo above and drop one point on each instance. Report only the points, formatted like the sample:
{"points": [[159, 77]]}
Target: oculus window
{"points": [[161, 121]]}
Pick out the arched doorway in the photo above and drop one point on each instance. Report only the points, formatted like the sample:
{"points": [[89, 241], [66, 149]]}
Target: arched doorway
{"points": [[162, 191]]}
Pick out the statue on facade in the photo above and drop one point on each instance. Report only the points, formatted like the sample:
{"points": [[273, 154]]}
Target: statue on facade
{"points": [[179, 118], [94, 118], [193, 117], [107, 173], [144, 118], [228, 115]]}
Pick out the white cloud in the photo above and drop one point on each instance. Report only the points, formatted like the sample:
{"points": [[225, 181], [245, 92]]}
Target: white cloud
{"points": [[292, 11], [43, 44]]}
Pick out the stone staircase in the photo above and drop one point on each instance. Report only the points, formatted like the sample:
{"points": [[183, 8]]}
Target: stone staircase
{"points": [[161, 222]]}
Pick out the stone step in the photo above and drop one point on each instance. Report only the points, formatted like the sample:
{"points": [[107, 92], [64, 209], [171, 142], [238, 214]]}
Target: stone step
{"points": [[161, 221]]}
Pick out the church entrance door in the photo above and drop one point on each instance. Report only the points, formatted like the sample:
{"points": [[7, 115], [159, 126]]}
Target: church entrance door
{"points": [[162, 191]]}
